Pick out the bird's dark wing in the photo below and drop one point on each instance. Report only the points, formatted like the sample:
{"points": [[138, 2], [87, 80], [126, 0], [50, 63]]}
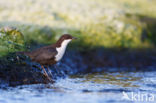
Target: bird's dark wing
{"points": [[43, 54]]}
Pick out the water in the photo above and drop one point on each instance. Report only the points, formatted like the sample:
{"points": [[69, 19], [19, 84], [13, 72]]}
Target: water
{"points": [[89, 88]]}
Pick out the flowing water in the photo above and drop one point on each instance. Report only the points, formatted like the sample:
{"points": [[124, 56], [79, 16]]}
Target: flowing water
{"points": [[104, 87]]}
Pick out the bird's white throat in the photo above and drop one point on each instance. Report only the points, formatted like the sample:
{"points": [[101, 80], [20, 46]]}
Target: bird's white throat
{"points": [[61, 50]]}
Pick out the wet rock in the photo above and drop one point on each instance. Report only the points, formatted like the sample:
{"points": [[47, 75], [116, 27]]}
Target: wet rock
{"points": [[18, 72], [15, 69]]}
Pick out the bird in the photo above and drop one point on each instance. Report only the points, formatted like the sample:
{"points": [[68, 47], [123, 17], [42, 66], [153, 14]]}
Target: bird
{"points": [[51, 54]]}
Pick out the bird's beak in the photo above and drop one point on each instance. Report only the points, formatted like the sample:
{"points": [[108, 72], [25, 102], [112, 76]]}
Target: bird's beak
{"points": [[74, 38]]}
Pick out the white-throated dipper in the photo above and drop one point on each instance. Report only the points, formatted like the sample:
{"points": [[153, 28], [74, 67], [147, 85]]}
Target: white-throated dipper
{"points": [[49, 55]]}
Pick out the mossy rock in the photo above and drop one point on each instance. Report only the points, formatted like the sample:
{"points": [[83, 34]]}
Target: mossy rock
{"points": [[11, 40]]}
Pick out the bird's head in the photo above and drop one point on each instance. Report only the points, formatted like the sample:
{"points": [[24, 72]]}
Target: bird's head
{"points": [[65, 38]]}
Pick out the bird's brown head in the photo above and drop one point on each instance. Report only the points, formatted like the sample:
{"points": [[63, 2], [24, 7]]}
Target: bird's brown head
{"points": [[63, 38], [66, 37]]}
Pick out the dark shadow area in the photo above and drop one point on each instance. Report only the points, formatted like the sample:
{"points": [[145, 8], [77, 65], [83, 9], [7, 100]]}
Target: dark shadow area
{"points": [[123, 60], [19, 72]]}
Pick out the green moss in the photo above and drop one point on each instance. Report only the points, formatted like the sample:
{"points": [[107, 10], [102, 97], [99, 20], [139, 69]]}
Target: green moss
{"points": [[11, 40]]}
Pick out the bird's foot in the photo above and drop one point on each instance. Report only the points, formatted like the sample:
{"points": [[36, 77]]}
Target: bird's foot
{"points": [[48, 78], [46, 74]]}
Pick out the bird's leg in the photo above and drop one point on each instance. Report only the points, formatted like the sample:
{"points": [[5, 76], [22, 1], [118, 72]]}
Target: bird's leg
{"points": [[45, 73], [49, 71]]}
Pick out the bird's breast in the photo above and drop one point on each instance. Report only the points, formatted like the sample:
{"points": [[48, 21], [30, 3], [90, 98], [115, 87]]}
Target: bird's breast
{"points": [[60, 53], [61, 50]]}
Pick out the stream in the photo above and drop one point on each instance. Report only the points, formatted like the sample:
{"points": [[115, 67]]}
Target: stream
{"points": [[104, 87]]}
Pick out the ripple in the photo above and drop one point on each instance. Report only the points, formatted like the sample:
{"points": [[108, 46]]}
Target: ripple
{"points": [[89, 88]]}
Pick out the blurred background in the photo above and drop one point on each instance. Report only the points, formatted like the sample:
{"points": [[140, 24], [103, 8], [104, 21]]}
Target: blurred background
{"points": [[115, 50], [106, 23]]}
